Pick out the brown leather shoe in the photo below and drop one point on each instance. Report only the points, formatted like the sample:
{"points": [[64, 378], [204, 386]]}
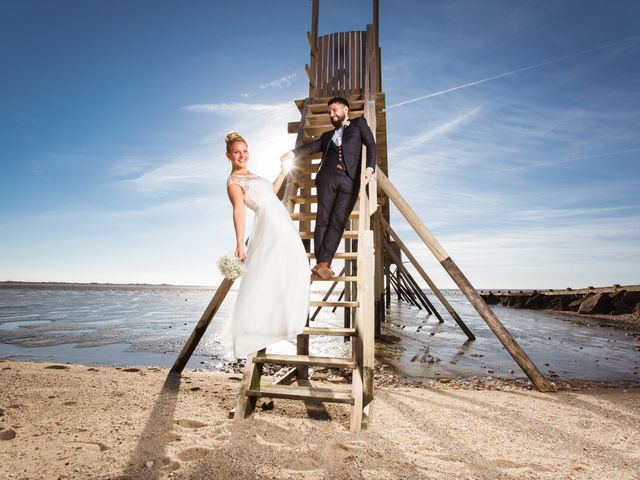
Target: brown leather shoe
{"points": [[323, 271], [314, 271]]}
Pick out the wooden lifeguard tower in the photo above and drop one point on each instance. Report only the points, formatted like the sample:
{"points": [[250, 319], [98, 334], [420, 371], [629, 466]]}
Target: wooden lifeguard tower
{"points": [[348, 64]]}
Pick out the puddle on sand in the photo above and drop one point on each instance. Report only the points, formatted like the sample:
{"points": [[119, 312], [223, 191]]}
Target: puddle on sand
{"points": [[418, 346]]}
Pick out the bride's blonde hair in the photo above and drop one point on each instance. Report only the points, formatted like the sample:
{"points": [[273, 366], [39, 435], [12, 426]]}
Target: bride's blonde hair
{"points": [[233, 137]]}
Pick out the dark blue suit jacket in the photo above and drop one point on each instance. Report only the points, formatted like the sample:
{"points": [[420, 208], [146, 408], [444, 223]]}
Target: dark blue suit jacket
{"points": [[354, 136]]}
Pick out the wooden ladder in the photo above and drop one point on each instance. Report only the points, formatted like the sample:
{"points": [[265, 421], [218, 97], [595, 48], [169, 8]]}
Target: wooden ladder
{"points": [[358, 280]]}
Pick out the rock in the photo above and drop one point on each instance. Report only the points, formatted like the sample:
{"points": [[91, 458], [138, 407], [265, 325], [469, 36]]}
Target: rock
{"points": [[8, 434], [491, 299], [575, 305], [562, 302], [537, 302], [618, 304], [636, 311], [598, 303], [516, 302], [267, 405], [631, 298]]}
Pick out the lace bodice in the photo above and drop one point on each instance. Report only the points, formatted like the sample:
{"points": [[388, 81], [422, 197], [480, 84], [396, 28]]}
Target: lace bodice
{"points": [[256, 191]]}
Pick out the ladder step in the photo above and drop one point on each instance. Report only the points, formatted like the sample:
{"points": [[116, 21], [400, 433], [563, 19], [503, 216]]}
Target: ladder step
{"points": [[322, 101], [312, 215], [337, 279], [292, 127], [323, 120], [339, 255], [320, 106], [322, 303], [306, 360], [303, 199], [332, 331], [346, 234], [309, 170], [292, 392], [305, 183]]}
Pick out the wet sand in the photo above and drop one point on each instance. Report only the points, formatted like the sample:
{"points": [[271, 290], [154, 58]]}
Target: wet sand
{"points": [[77, 422]]}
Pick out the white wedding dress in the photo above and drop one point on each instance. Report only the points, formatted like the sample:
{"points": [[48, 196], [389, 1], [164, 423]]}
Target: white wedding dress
{"points": [[273, 298]]}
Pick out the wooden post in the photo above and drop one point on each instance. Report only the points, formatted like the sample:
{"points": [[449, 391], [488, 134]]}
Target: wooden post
{"points": [[201, 326], [378, 238], [518, 354], [388, 290], [250, 380], [407, 287], [314, 61], [427, 279], [398, 286], [419, 293], [364, 316]]}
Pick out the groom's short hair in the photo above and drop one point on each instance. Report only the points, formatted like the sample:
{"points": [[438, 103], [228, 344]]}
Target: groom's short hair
{"points": [[341, 100]]}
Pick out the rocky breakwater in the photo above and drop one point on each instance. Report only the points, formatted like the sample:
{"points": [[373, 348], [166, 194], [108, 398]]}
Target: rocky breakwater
{"points": [[623, 301]]}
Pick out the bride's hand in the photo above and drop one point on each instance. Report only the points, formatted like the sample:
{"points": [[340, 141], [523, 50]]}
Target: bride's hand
{"points": [[240, 253], [286, 161]]}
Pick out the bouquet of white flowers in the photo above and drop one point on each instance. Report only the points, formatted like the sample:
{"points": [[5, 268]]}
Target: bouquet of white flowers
{"points": [[230, 267]]}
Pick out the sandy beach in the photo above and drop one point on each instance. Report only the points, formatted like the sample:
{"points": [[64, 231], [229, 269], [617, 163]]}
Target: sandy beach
{"points": [[77, 422]]}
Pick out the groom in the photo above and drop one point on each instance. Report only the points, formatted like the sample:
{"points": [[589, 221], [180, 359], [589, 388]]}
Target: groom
{"points": [[338, 179]]}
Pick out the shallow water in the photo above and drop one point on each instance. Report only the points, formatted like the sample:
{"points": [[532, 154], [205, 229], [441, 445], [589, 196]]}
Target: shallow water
{"points": [[141, 326]]}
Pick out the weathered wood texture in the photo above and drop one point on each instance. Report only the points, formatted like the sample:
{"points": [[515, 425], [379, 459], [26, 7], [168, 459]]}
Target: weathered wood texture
{"points": [[337, 67], [201, 326]]}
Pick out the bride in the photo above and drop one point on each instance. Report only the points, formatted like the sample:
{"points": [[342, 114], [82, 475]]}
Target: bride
{"points": [[273, 298]]}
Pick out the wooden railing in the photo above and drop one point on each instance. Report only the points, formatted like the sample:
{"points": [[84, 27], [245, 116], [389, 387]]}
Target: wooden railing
{"points": [[367, 205]]}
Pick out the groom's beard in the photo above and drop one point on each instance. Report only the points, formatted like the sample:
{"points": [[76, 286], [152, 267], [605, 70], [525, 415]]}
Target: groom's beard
{"points": [[337, 123]]}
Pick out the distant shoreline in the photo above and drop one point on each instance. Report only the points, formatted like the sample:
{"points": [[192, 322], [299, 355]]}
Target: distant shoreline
{"points": [[100, 286]]}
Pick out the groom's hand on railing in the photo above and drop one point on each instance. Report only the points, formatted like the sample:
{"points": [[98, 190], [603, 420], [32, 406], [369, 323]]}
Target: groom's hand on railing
{"points": [[368, 174]]}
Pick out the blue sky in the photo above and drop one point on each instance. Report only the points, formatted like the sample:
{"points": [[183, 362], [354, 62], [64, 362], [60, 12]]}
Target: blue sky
{"points": [[113, 114]]}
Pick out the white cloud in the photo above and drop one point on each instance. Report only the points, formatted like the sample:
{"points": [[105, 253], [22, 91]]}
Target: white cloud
{"points": [[234, 108], [281, 82], [173, 175]]}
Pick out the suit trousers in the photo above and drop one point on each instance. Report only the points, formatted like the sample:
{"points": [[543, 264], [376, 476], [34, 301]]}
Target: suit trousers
{"points": [[337, 194]]}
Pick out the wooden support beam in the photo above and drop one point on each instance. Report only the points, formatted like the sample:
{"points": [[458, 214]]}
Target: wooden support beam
{"points": [[496, 326], [314, 49], [312, 81], [365, 315], [405, 284], [250, 380], [201, 326], [315, 11], [378, 238], [436, 291], [412, 283], [400, 291]]}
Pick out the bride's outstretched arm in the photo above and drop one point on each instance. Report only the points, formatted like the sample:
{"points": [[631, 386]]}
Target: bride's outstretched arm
{"points": [[235, 196], [277, 183]]}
